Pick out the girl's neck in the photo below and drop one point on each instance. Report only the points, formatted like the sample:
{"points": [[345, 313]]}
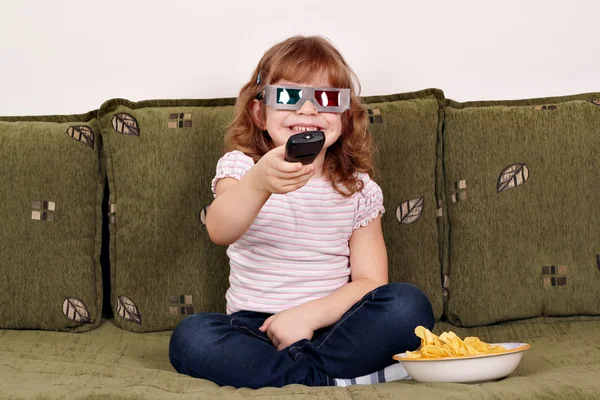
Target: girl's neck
{"points": [[318, 164]]}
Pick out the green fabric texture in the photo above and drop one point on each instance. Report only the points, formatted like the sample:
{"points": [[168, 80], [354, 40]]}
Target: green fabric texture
{"points": [[160, 180], [52, 185], [522, 192], [407, 132], [111, 363], [161, 157]]}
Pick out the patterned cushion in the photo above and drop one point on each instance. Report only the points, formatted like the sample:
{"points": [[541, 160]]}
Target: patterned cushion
{"points": [[523, 188], [51, 191], [161, 157], [407, 132]]}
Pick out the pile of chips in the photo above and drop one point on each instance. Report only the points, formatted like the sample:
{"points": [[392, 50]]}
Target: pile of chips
{"points": [[449, 345]]}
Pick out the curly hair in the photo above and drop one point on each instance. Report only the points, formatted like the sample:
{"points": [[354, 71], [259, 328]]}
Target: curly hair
{"points": [[298, 59]]}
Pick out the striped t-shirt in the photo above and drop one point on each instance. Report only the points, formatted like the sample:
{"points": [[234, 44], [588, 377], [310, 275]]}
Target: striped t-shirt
{"points": [[297, 248]]}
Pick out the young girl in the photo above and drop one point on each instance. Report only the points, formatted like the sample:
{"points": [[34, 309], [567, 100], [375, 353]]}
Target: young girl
{"points": [[309, 300]]}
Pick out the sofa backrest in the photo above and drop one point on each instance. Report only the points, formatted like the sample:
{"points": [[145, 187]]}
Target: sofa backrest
{"points": [[523, 189], [161, 157], [489, 209], [52, 181], [407, 131]]}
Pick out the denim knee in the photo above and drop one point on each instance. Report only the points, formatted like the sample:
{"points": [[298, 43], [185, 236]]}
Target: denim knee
{"points": [[193, 335], [407, 304]]}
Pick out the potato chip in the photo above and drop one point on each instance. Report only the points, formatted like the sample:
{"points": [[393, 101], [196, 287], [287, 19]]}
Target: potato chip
{"points": [[434, 351], [413, 354], [448, 344], [482, 347]]}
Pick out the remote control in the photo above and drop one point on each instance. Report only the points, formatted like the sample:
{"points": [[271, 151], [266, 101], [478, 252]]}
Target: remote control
{"points": [[304, 147]]}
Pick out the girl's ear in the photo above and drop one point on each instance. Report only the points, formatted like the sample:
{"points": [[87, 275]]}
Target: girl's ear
{"points": [[256, 113]]}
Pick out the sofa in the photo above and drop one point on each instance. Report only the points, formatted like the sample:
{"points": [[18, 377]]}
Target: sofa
{"points": [[492, 209]]}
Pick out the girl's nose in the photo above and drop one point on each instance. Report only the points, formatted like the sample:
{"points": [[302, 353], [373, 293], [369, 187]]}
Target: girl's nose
{"points": [[307, 108]]}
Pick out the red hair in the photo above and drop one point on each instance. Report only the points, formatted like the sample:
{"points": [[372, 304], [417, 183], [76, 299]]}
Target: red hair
{"points": [[298, 59]]}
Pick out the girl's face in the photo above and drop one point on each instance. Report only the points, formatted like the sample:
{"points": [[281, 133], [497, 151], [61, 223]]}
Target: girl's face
{"points": [[281, 124]]}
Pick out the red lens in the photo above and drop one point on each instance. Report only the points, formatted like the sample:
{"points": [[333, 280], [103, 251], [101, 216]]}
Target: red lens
{"points": [[328, 98]]}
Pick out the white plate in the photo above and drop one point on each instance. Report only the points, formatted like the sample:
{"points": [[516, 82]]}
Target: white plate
{"points": [[465, 369]]}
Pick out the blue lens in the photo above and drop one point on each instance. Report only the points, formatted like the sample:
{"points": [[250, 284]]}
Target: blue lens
{"points": [[288, 96]]}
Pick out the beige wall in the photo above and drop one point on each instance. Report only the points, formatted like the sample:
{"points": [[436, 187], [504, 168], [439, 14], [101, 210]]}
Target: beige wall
{"points": [[69, 56]]}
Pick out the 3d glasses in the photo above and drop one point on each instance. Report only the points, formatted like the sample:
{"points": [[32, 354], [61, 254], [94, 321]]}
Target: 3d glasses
{"points": [[281, 97]]}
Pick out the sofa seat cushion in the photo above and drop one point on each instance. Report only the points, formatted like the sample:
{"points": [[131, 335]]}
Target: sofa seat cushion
{"points": [[113, 363]]}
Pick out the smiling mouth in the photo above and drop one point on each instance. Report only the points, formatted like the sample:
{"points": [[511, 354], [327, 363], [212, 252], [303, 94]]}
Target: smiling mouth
{"points": [[304, 128]]}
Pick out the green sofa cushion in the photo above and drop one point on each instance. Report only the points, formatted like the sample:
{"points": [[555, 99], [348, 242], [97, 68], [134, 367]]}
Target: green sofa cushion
{"points": [[52, 185], [522, 188], [407, 132], [161, 157]]}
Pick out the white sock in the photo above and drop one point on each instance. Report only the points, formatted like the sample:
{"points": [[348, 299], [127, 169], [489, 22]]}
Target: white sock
{"points": [[390, 373]]}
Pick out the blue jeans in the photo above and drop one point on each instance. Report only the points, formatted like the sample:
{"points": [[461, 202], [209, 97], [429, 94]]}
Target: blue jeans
{"points": [[230, 350]]}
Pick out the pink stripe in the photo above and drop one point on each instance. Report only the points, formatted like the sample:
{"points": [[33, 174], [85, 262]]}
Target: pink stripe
{"points": [[295, 257], [294, 224], [237, 163], [312, 267], [234, 167], [264, 243], [314, 190], [287, 290], [337, 271], [252, 256], [306, 258], [263, 212], [285, 284], [264, 296], [233, 163], [310, 203], [312, 235], [228, 174], [247, 277], [238, 156], [247, 280], [309, 206], [279, 305], [297, 248], [303, 191], [258, 235]]}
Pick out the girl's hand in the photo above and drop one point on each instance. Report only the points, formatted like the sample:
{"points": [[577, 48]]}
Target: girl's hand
{"points": [[279, 176], [288, 326]]}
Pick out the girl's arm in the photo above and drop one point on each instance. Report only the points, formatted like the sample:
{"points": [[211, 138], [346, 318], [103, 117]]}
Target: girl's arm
{"points": [[237, 203], [235, 207], [369, 263], [368, 259]]}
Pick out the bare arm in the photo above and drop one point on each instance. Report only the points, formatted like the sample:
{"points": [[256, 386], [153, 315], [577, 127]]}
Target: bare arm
{"points": [[369, 263], [237, 203], [368, 258], [235, 207]]}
